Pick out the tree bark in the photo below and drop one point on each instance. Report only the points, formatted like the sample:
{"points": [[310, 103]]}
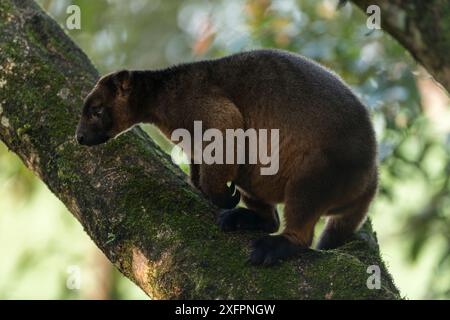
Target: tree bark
{"points": [[132, 200], [423, 28]]}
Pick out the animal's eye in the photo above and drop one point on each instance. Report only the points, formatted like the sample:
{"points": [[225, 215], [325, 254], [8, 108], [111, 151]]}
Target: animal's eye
{"points": [[97, 111]]}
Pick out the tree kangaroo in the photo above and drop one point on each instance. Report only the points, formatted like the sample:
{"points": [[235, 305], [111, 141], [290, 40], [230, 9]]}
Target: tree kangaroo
{"points": [[327, 147]]}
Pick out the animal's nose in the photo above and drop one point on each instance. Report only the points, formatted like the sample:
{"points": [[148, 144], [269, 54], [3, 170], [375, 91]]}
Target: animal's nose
{"points": [[80, 138]]}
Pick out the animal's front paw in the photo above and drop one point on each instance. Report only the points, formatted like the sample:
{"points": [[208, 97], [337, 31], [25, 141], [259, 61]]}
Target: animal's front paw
{"points": [[270, 250], [227, 200], [242, 219], [234, 196]]}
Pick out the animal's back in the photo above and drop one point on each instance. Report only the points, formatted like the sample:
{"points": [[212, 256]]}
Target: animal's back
{"points": [[290, 90], [317, 113]]}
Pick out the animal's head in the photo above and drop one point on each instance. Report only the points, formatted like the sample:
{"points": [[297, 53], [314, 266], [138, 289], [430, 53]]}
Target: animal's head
{"points": [[107, 110]]}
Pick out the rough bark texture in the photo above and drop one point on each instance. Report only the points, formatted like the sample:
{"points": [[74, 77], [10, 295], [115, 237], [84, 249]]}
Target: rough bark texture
{"points": [[422, 27], [130, 198]]}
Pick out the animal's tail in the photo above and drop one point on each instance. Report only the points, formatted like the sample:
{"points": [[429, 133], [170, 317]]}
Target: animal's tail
{"points": [[344, 221]]}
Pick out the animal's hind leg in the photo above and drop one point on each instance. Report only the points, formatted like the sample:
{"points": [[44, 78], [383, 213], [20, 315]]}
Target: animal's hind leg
{"points": [[341, 223], [257, 216], [307, 198]]}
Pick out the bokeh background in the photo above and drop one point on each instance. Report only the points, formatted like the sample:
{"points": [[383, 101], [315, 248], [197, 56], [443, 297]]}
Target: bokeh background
{"points": [[41, 243]]}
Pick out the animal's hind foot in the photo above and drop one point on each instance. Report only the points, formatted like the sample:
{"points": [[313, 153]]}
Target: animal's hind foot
{"points": [[329, 241], [270, 250]]}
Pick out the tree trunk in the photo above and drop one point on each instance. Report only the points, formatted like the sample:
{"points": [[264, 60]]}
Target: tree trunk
{"points": [[422, 27], [132, 200]]}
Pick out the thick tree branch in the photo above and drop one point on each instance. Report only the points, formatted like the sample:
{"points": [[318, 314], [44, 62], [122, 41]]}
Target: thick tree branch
{"points": [[423, 28], [130, 198]]}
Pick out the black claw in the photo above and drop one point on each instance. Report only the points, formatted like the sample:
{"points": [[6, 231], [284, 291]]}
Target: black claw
{"points": [[232, 188], [233, 196], [270, 250], [227, 200]]}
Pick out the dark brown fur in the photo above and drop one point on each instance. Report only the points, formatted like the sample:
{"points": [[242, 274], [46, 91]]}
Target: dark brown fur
{"points": [[327, 144]]}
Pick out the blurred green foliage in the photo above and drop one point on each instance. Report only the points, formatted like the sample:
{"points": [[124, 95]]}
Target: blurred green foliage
{"points": [[411, 213]]}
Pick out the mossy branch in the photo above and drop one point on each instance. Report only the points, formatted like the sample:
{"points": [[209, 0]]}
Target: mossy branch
{"points": [[131, 200], [423, 28]]}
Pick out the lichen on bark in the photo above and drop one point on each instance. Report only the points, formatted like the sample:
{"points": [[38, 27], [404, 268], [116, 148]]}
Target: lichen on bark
{"points": [[130, 198]]}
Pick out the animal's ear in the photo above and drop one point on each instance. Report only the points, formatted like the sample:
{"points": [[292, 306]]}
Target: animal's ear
{"points": [[122, 82]]}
